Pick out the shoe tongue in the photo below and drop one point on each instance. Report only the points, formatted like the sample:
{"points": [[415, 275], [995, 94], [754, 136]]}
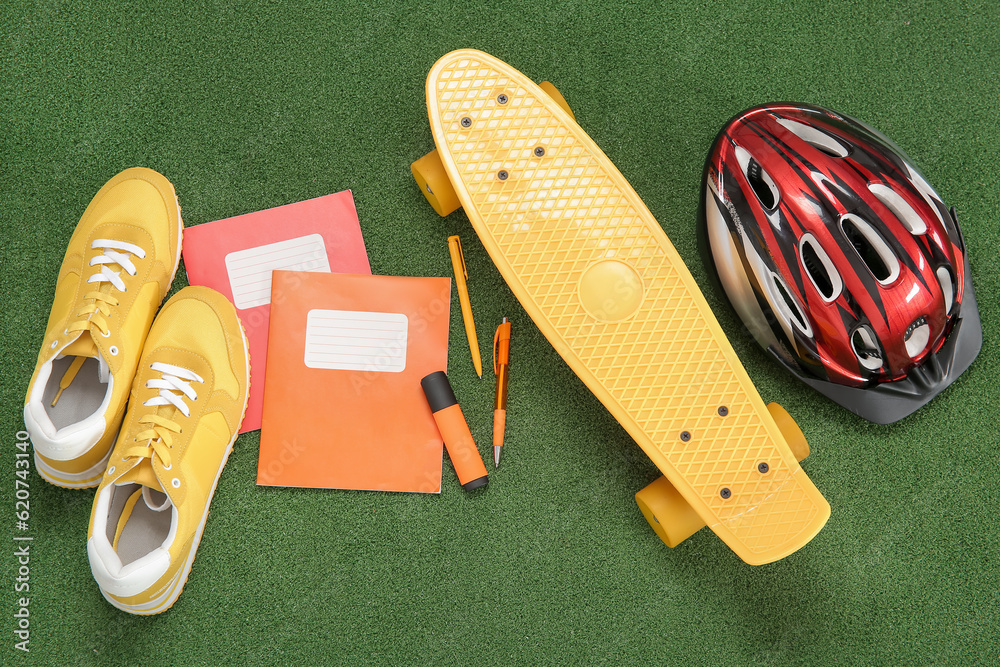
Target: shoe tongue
{"points": [[83, 346], [155, 504], [143, 475]]}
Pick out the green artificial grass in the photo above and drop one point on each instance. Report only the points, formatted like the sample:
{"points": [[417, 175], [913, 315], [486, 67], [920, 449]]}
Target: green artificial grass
{"points": [[246, 108]]}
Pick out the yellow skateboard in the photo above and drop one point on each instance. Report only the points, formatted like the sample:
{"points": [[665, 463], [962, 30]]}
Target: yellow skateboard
{"points": [[601, 280]]}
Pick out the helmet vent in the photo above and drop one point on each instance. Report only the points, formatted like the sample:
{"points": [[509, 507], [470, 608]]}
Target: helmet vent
{"points": [[816, 138], [819, 268], [903, 211], [866, 348], [916, 337], [790, 304], [947, 287], [760, 181], [871, 247]]}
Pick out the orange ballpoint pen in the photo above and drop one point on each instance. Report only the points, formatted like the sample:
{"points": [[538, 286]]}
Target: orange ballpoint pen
{"points": [[501, 363]]}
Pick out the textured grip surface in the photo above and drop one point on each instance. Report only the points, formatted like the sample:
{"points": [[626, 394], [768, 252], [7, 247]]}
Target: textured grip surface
{"points": [[604, 284]]}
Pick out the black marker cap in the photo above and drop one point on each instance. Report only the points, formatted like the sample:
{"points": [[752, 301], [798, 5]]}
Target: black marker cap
{"points": [[438, 391]]}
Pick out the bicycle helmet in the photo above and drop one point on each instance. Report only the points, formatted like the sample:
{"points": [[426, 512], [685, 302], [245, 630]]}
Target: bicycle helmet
{"points": [[841, 260]]}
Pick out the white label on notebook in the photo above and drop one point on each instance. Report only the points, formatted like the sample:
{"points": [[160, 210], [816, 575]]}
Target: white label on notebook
{"points": [[353, 340], [250, 270]]}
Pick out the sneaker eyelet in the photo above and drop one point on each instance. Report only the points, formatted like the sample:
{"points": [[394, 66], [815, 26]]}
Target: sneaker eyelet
{"points": [[55, 343], [111, 470], [176, 483], [113, 351], [169, 467], [106, 334]]}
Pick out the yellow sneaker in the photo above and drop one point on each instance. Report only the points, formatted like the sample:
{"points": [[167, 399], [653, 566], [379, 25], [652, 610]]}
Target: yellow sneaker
{"points": [[118, 267], [188, 401]]}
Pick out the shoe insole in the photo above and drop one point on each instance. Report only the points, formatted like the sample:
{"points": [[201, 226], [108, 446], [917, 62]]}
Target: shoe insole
{"points": [[82, 398], [138, 529]]}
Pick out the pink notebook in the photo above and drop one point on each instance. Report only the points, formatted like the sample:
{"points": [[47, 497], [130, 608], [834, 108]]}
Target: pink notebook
{"points": [[236, 256]]}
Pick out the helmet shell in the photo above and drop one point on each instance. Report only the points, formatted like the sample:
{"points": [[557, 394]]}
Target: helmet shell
{"points": [[839, 257]]}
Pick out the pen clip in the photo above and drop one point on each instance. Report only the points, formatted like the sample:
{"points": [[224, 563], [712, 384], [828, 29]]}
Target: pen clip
{"points": [[461, 255], [496, 344]]}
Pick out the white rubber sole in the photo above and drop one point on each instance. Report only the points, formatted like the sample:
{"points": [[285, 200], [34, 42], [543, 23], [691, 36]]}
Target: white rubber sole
{"points": [[180, 237], [87, 479]]}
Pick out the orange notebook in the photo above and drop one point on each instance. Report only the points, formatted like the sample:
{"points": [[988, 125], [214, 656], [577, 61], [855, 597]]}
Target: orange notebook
{"points": [[343, 407]]}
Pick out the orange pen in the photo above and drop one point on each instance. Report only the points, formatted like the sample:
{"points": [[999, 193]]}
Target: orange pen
{"points": [[501, 364], [462, 284]]}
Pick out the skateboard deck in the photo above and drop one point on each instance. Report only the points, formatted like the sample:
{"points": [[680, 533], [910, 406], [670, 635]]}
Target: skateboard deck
{"points": [[601, 280]]}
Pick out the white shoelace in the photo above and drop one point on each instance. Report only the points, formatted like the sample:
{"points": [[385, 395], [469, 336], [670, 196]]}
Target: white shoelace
{"points": [[110, 256], [173, 380], [98, 303]]}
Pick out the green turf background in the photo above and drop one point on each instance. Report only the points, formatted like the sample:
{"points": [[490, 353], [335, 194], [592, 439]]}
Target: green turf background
{"points": [[271, 103]]}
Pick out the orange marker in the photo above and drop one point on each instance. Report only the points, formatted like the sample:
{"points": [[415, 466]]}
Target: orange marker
{"points": [[501, 364], [455, 432]]}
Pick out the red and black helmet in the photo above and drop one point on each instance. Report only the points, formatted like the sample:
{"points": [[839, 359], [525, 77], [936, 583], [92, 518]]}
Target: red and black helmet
{"points": [[839, 258]]}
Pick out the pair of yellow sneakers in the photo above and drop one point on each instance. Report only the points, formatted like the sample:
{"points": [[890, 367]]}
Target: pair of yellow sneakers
{"points": [[184, 377]]}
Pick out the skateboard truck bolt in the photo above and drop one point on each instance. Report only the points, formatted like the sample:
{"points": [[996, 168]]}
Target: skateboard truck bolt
{"points": [[501, 99], [723, 411], [685, 436], [502, 174], [762, 468], [539, 152], [725, 493], [466, 122]]}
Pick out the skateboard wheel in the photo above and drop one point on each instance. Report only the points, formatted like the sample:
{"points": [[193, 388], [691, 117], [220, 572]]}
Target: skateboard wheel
{"points": [[556, 96], [794, 437], [670, 516], [433, 180]]}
